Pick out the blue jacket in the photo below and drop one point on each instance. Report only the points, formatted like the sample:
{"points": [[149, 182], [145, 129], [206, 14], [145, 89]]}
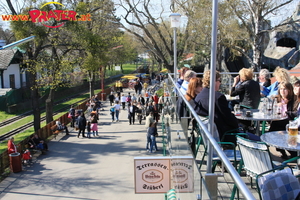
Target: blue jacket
{"points": [[272, 90]]}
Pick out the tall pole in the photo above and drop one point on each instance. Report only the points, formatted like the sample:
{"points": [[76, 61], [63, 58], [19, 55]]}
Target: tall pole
{"points": [[212, 78], [175, 55], [175, 23]]}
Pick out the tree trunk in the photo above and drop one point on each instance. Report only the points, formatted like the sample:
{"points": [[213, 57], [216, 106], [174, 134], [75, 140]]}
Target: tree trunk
{"points": [[36, 109], [49, 106], [257, 44], [92, 88], [35, 102]]}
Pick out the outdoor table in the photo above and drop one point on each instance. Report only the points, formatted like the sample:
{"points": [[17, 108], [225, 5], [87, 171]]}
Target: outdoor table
{"points": [[279, 139], [260, 117]]}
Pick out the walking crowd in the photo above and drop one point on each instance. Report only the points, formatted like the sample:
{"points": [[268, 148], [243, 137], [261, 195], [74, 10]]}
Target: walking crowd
{"points": [[139, 104]]}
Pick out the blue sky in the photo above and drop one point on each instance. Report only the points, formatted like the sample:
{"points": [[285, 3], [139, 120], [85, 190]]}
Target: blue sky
{"points": [[285, 12]]}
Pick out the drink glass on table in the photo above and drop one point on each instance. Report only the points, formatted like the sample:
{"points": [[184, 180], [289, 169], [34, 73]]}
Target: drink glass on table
{"points": [[278, 110], [292, 128], [237, 110]]}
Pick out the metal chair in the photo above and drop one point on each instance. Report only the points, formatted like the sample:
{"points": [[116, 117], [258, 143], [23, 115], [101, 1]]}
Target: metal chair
{"points": [[256, 159], [232, 154], [277, 184]]}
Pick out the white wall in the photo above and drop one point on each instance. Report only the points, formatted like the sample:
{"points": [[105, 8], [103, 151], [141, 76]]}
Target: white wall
{"points": [[12, 69]]}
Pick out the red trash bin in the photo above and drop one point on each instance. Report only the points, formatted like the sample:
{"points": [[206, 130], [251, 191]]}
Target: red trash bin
{"points": [[15, 162]]}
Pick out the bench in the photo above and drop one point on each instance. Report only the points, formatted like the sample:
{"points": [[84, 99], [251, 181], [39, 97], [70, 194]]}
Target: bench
{"points": [[55, 130]]}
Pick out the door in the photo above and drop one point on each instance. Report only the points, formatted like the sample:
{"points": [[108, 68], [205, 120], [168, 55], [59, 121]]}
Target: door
{"points": [[12, 81]]}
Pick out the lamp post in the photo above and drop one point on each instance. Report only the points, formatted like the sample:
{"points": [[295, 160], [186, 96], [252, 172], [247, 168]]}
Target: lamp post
{"points": [[175, 23]]}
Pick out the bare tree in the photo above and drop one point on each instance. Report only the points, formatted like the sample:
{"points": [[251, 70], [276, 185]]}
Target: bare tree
{"points": [[253, 18], [149, 24]]}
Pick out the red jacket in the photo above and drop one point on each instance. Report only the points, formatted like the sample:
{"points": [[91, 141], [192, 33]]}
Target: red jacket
{"points": [[26, 155], [155, 98], [11, 147]]}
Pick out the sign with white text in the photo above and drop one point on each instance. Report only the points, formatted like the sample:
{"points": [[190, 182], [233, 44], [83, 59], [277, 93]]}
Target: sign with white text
{"points": [[118, 68]]}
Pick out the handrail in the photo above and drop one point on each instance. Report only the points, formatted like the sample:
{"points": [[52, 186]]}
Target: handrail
{"points": [[232, 171]]}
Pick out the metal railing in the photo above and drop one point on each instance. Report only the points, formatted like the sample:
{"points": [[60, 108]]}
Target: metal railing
{"points": [[179, 146]]}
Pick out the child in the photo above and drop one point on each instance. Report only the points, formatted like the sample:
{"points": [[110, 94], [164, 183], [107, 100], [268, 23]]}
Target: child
{"points": [[112, 112], [41, 147], [88, 129], [27, 157]]}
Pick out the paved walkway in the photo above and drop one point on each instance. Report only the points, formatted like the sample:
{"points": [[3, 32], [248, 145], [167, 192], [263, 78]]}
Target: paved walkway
{"points": [[82, 168]]}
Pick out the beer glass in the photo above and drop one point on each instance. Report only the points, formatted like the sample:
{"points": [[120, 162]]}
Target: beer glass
{"points": [[292, 128]]}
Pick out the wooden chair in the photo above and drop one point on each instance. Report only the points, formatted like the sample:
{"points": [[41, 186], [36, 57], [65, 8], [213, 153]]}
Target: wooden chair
{"points": [[256, 159], [277, 184]]}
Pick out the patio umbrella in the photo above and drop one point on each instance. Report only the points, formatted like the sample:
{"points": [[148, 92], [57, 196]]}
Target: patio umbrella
{"points": [[129, 77]]}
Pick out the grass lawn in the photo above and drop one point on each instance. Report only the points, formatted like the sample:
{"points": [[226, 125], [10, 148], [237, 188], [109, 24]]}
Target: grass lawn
{"points": [[127, 69]]}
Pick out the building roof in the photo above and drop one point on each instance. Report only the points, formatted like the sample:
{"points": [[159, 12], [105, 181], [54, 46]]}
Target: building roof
{"points": [[6, 57]]}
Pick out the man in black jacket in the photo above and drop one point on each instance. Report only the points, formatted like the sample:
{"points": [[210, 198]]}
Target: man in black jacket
{"points": [[111, 98], [131, 112], [224, 119], [81, 124]]}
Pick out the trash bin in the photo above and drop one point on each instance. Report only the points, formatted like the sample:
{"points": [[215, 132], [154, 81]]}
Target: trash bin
{"points": [[15, 162]]}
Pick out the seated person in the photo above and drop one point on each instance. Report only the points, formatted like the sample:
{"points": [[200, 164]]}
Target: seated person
{"points": [[61, 126], [248, 90], [31, 144], [27, 158], [37, 141], [224, 119], [285, 101], [40, 146]]}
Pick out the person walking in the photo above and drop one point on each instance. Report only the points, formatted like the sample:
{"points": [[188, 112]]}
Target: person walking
{"points": [[123, 101], [88, 129], [72, 116], [155, 111], [94, 124], [117, 110], [141, 100], [81, 124], [153, 133], [112, 113], [131, 113], [111, 98], [160, 103]]}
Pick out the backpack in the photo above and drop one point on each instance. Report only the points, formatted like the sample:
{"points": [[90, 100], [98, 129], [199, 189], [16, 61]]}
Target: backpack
{"points": [[128, 99]]}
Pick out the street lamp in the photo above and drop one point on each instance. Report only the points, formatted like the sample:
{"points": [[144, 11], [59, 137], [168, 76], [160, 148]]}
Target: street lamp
{"points": [[175, 23]]}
